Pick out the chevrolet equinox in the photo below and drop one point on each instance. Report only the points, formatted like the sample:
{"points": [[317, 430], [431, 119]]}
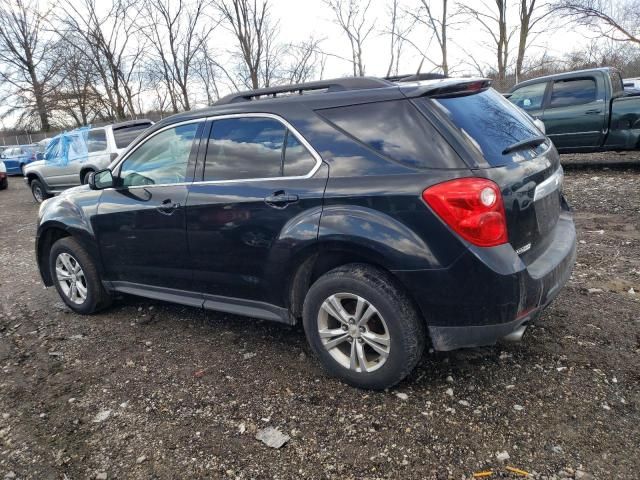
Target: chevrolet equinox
{"points": [[381, 213]]}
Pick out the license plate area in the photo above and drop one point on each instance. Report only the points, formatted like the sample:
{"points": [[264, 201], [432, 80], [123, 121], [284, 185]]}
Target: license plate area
{"points": [[547, 212]]}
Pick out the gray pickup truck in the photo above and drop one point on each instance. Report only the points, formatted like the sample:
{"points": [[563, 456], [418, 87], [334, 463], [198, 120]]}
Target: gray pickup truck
{"points": [[583, 111], [70, 157]]}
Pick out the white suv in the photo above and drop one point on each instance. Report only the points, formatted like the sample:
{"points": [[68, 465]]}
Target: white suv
{"points": [[71, 157]]}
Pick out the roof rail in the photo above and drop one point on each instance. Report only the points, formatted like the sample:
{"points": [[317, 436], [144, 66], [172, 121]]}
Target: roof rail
{"points": [[335, 85], [414, 77]]}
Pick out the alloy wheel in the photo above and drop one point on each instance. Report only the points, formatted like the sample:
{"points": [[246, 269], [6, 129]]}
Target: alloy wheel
{"points": [[71, 278], [354, 333], [37, 193]]}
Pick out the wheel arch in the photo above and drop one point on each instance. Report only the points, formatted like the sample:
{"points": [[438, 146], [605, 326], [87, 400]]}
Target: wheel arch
{"points": [[50, 232], [312, 264], [48, 235]]}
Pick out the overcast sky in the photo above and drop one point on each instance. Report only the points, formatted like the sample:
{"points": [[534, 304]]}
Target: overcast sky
{"points": [[299, 18]]}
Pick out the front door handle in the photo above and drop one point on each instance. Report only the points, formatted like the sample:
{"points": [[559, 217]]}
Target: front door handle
{"points": [[595, 111], [280, 199], [167, 207]]}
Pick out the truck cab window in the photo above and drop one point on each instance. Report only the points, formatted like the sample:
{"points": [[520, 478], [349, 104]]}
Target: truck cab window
{"points": [[573, 92]]}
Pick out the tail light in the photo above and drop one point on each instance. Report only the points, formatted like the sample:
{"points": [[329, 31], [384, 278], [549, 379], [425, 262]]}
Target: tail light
{"points": [[472, 207]]}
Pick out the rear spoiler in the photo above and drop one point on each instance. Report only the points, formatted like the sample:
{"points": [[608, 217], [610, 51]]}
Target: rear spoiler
{"points": [[449, 87]]}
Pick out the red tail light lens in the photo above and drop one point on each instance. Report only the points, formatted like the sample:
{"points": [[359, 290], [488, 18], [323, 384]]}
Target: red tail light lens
{"points": [[472, 207]]}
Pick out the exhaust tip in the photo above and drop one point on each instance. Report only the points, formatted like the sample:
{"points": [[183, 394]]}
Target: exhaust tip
{"points": [[516, 335]]}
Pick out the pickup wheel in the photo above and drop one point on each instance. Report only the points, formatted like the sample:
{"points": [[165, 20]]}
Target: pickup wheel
{"points": [[363, 327], [38, 191], [76, 277]]}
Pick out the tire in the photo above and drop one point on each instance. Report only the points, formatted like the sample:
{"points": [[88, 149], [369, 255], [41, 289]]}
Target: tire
{"points": [[38, 191], [85, 177], [395, 325], [64, 256], [4, 184]]}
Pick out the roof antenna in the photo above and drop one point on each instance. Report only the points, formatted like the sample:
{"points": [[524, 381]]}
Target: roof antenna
{"points": [[420, 66]]}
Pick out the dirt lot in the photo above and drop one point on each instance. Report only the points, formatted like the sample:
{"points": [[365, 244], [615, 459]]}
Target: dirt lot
{"points": [[151, 390]]}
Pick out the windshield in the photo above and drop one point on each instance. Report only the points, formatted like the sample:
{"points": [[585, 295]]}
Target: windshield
{"points": [[493, 124]]}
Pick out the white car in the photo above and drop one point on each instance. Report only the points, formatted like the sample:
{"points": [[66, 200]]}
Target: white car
{"points": [[631, 83], [70, 157]]}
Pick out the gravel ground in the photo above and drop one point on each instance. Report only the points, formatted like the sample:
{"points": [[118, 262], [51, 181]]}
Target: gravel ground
{"points": [[152, 390]]}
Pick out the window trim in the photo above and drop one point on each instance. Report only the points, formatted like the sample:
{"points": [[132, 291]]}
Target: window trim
{"points": [[287, 125], [301, 139]]}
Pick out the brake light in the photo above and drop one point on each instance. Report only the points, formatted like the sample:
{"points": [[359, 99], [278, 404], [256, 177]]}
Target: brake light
{"points": [[472, 207]]}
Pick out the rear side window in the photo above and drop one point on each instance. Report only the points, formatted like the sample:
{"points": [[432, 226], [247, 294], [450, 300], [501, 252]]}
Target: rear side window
{"points": [[395, 129], [491, 123], [125, 135], [529, 97], [617, 87], [96, 141], [573, 92], [244, 148]]}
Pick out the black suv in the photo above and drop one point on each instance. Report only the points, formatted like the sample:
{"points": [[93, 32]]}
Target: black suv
{"points": [[381, 213]]}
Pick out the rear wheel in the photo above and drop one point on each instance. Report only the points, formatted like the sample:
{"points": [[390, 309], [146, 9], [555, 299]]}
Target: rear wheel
{"points": [[363, 327], [38, 191], [76, 277]]}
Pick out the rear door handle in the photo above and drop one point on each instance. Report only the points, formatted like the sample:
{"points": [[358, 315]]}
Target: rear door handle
{"points": [[167, 207], [280, 199]]}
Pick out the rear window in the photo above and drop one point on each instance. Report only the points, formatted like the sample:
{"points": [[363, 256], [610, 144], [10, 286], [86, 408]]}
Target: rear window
{"points": [[397, 130], [492, 124], [125, 135]]}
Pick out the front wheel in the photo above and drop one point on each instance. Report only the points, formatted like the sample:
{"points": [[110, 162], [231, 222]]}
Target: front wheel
{"points": [[85, 177], [76, 277], [363, 327], [38, 191]]}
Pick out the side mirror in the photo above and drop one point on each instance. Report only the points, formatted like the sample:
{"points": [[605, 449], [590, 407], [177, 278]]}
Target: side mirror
{"points": [[540, 124], [100, 180]]}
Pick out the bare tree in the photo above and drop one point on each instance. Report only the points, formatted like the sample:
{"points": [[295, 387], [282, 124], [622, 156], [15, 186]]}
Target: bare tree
{"points": [[532, 14], [177, 31], [493, 21], [251, 24], [112, 43], [77, 96], [398, 31], [305, 61], [353, 18], [618, 21], [437, 20], [29, 68]]}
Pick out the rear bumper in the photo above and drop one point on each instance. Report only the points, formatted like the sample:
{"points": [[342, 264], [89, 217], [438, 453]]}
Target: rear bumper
{"points": [[487, 294]]}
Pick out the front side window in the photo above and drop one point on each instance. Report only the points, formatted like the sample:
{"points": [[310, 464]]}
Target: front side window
{"points": [[573, 92], [162, 159], [96, 141], [529, 97], [244, 148]]}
